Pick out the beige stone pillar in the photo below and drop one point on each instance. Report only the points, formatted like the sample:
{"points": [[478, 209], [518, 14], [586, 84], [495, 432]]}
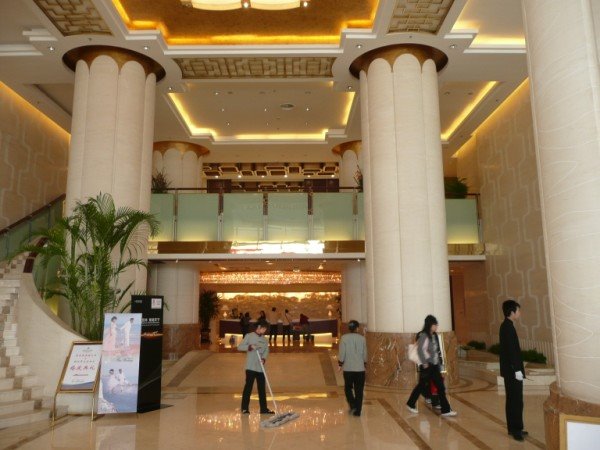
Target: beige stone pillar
{"points": [[407, 261], [181, 162], [178, 283], [348, 152], [354, 298], [562, 51], [112, 128]]}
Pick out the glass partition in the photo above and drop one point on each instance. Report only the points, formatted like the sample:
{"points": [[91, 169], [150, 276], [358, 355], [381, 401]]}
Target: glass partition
{"points": [[198, 217], [243, 217], [162, 206], [333, 217], [288, 217], [461, 221]]}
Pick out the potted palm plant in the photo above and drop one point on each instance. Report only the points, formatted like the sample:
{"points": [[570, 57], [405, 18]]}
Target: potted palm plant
{"points": [[455, 187], [93, 247], [208, 310]]}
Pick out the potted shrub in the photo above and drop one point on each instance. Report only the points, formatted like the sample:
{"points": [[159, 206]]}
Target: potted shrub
{"points": [[208, 310], [160, 183], [455, 187]]}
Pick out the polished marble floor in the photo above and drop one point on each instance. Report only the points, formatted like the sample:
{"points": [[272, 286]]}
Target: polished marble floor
{"points": [[201, 395]]}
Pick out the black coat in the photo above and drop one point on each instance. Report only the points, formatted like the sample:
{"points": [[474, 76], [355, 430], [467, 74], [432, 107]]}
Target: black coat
{"points": [[510, 350]]}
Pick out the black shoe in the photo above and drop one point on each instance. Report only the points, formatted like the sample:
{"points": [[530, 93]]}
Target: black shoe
{"points": [[351, 410], [523, 433], [245, 411], [267, 411], [356, 413], [518, 437]]}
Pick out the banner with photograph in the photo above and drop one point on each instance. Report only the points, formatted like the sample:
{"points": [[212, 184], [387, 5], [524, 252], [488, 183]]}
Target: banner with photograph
{"points": [[151, 308], [82, 367], [120, 363]]}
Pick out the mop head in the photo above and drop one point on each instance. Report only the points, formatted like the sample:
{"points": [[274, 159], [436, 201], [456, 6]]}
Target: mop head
{"points": [[279, 419]]}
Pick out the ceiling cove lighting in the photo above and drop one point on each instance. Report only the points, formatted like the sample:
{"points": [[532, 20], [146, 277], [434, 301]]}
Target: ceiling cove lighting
{"points": [[225, 5]]}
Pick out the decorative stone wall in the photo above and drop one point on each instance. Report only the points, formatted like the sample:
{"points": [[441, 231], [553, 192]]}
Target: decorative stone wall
{"points": [[33, 158], [313, 305], [503, 151]]}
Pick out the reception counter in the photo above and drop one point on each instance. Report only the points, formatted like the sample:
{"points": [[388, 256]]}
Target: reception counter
{"points": [[232, 326]]}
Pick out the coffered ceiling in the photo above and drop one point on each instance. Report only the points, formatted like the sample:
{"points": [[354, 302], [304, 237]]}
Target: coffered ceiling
{"points": [[259, 60]]}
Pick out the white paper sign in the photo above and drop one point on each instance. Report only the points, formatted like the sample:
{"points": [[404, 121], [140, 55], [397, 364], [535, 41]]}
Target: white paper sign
{"points": [[82, 367]]}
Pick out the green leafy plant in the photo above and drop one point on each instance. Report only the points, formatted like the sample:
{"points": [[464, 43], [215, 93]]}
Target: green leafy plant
{"points": [[358, 178], [455, 187], [208, 308], [533, 356], [477, 345], [495, 349], [160, 183], [94, 246]]}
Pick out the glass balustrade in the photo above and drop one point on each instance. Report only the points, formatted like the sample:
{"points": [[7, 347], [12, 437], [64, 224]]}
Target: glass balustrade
{"points": [[285, 217]]}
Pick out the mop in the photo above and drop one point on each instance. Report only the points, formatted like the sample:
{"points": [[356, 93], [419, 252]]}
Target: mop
{"points": [[279, 418]]}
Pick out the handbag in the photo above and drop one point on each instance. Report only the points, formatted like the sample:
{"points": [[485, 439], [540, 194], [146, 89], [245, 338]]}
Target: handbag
{"points": [[413, 354]]}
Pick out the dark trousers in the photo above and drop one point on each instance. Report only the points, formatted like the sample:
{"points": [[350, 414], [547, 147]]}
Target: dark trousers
{"points": [[427, 375], [354, 385], [287, 331], [251, 375], [273, 330], [514, 404]]}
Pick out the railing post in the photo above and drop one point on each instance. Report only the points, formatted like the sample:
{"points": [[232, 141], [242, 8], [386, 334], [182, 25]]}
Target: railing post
{"points": [[175, 213], [220, 207], [265, 235], [311, 225], [355, 214]]}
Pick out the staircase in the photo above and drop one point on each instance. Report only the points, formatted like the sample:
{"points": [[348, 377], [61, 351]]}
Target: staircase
{"points": [[21, 395]]}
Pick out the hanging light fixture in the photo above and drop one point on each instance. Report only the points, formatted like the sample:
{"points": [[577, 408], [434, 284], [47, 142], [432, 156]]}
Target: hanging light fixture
{"points": [[225, 5]]}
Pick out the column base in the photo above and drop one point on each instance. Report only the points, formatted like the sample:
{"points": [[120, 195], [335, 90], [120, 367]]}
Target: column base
{"points": [[389, 365], [557, 404], [178, 339]]}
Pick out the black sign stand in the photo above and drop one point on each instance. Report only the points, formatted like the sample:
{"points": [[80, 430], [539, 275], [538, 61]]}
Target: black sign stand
{"points": [[149, 385]]}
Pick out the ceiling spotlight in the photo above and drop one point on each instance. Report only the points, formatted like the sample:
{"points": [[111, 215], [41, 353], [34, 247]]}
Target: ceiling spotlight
{"points": [[308, 108], [246, 4], [239, 175], [285, 176], [228, 123], [146, 47], [216, 92], [265, 109], [216, 176], [349, 87], [305, 123], [222, 109], [308, 176], [268, 123], [447, 93], [358, 45], [453, 46], [262, 176], [51, 48], [332, 175], [170, 88], [305, 4], [296, 269], [320, 267]]}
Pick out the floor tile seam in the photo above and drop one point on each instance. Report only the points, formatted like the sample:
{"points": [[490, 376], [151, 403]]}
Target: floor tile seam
{"points": [[404, 425], [494, 419], [57, 424]]}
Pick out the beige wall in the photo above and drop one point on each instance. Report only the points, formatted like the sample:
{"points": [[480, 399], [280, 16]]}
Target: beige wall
{"points": [[499, 161], [33, 158]]}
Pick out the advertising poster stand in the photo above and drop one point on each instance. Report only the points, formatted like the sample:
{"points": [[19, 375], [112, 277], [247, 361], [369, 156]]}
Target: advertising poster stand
{"points": [[80, 372], [149, 391]]}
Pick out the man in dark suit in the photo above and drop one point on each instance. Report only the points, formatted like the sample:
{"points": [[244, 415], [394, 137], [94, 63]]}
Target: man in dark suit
{"points": [[512, 369]]}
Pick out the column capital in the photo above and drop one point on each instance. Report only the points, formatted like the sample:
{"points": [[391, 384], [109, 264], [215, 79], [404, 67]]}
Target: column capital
{"points": [[340, 149], [391, 52], [121, 56], [163, 146]]}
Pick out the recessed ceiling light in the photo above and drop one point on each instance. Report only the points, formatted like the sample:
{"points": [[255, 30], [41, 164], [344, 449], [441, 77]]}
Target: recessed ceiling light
{"points": [[266, 109], [285, 176], [308, 176], [51, 48], [447, 93], [287, 106], [262, 176], [216, 176], [216, 92], [453, 46], [332, 175], [305, 4], [358, 45], [268, 124], [228, 123], [222, 109], [470, 93], [349, 87], [146, 47], [170, 88], [246, 4], [308, 108], [239, 175], [307, 92], [305, 123]]}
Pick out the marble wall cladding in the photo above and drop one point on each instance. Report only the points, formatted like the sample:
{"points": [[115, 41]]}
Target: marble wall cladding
{"points": [[180, 339], [33, 158], [557, 404], [503, 152], [390, 367], [313, 305]]}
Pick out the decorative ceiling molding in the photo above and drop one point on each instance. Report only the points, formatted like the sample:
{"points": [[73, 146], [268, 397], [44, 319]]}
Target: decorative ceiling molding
{"points": [[72, 17], [224, 68], [424, 16], [281, 170]]}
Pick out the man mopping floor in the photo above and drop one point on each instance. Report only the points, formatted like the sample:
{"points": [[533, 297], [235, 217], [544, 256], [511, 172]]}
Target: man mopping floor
{"points": [[257, 350]]}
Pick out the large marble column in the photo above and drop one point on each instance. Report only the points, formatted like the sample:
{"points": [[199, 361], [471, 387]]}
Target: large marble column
{"points": [[563, 53], [348, 152], [180, 162], [179, 284], [112, 128], [407, 261], [354, 293]]}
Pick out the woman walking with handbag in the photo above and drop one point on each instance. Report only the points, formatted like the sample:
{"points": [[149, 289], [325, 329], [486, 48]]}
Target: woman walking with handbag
{"points": [[430, 355]]}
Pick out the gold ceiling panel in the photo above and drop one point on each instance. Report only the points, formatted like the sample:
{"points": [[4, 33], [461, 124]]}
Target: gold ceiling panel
{"points": [[295, 67], [73, 17], [320, 23], [425, 16]]}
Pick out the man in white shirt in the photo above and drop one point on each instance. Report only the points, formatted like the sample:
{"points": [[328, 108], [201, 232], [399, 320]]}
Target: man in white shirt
{"points": [[352, 359]]}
